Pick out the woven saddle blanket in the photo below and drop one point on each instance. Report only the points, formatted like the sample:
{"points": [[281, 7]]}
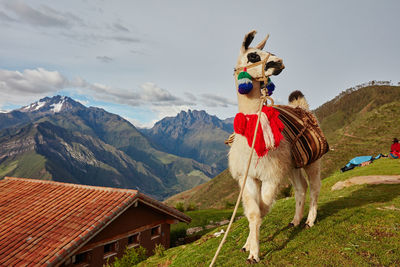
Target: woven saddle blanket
{"points": [[303, 132]]}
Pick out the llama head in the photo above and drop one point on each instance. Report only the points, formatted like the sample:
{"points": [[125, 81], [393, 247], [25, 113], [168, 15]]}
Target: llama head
{"points": [[249, 55]]}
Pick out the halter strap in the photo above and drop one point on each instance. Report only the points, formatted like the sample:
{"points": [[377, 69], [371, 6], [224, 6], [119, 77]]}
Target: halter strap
{"points": [[262, 62]]}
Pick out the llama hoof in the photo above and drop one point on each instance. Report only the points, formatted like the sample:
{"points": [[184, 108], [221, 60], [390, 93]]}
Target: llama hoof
{"points": [[243, 250], [251, 261], [290, 225], [306, 226]]}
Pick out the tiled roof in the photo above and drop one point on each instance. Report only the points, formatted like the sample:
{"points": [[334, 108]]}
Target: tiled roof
{"points": [[42, 222]]}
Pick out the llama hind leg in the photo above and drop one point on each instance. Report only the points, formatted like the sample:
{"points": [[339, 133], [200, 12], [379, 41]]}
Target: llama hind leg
{"points": [[251, 198], [314, 178], [300, 189]]}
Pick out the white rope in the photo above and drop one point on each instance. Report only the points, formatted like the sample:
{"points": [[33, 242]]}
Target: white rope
{"points": [[263, 99]]}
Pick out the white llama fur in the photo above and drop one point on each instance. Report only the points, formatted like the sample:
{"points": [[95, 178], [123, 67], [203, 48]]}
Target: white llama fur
{"points": [[267, 174]]}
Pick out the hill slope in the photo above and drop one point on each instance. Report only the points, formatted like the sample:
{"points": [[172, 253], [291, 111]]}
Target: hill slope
{"points": [[358, 123], [356, 226], [220, 192]]}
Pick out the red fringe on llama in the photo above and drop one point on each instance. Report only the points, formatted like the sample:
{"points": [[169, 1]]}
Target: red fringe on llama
{"points": [[246, 124]]}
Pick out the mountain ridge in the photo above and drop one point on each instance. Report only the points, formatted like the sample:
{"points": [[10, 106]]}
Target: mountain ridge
{"points": [[193, 134], [72, 129]]}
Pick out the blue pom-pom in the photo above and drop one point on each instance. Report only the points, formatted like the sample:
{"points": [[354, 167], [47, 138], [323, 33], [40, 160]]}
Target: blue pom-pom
{"points": [[245, 88], [245, 83], [270, 87]]}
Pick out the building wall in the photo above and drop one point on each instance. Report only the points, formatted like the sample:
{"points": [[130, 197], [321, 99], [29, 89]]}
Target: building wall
{"points": [[140, 219]]}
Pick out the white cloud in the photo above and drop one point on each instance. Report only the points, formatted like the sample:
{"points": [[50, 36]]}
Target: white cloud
{"points": [[32, 84], [151, 92], [168, 111], [46, 17], [5, 17], [18, 87], [211, 100], [140, 124], [31, 81], [83, 102], [39, 82]]}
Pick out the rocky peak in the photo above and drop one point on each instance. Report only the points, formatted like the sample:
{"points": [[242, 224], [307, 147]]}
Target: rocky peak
{"points": [[52, 105], [187, 120]]}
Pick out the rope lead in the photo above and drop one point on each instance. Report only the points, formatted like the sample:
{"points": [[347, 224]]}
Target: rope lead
{"points": [[264, 98]]}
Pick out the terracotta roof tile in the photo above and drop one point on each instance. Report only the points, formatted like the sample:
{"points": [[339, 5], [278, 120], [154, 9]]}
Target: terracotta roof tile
{"points": [[42, 222]]}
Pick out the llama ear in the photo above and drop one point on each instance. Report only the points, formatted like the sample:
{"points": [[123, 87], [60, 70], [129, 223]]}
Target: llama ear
{"points": [[262, 43], [248, 38]]}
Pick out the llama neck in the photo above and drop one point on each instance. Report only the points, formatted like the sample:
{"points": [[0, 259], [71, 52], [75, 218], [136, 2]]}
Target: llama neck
{"points": [[250, 103]]}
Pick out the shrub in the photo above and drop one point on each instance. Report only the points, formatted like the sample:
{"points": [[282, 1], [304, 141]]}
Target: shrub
{"points": [[229, 205], [180, 206], [191, 206], [179, 232], [159, 250], [131, 257]]}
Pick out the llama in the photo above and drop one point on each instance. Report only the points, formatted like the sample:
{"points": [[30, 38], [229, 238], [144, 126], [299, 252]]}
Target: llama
{"points": [[268, 173]]}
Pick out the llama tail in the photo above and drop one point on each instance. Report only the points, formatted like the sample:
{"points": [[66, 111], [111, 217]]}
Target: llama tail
{"points": [[297, 99]]}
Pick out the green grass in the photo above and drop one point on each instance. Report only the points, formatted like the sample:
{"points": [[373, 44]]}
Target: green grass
{"points": [[205, 217], [201, 218], [29, 165], [353, 228], [219, 192]]}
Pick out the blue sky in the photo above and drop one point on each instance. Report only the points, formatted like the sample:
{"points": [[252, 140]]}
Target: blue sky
{"points": [[145, 60]]}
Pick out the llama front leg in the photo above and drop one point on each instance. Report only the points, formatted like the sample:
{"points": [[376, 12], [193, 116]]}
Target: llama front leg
{"points": [[300, 189], [251, 198], [314, 178]]}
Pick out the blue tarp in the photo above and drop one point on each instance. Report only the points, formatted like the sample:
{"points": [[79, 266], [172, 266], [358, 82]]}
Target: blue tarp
{"points": [[354, 162], [359, 160]]}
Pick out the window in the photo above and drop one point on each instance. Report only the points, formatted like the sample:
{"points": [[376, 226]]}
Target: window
{"points": [[81, 258], [110, 249], [134, 240], [155, 231]]}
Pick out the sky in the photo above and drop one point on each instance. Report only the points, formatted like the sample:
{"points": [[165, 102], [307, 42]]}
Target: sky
{"points": [[145, 60]]}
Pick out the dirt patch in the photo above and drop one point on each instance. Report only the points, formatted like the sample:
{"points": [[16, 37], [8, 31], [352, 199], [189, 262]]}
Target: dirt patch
{"points": [[370, 179], [392, 207]]}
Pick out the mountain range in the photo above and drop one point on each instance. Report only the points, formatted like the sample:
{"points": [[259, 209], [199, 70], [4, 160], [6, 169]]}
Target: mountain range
{"points": [[60, 139], [193, 134]]}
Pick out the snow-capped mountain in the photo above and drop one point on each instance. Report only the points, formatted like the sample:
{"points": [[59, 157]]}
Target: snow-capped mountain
{"points": [[53, 105]]}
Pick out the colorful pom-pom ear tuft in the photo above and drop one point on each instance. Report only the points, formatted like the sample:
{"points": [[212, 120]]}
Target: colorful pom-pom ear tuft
{"points": [[270, 87], [245, 83]]}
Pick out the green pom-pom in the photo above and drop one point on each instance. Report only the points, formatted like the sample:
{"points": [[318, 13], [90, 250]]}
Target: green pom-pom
{"points": [[244, 74]]}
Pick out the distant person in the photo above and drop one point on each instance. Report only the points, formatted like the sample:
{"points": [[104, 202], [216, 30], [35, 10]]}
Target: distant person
{"points": [[395, 149]]}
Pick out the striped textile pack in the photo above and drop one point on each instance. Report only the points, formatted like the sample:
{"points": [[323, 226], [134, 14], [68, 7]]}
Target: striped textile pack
{"points": [[306, 137]]}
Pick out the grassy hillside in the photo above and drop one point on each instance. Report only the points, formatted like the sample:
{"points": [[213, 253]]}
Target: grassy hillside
{"points": [[359, 123], [220, 192], [356, 226], [30, 164]]}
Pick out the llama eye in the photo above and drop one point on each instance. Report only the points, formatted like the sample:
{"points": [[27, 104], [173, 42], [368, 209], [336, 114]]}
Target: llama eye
{"points": [[253, 57]]}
